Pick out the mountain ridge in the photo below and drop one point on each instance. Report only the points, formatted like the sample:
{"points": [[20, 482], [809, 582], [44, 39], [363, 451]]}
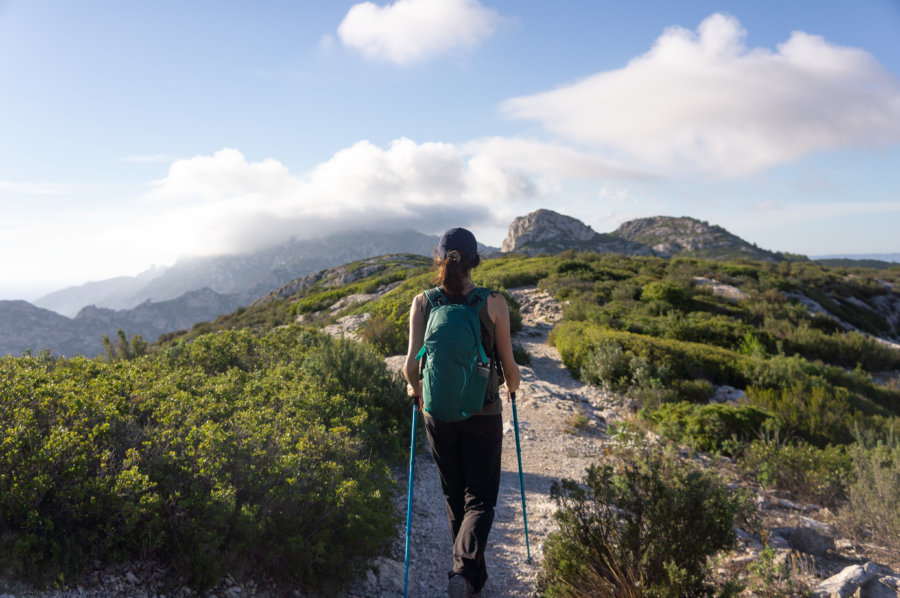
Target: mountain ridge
{"points": [[546, 231], [210, 287], [246, 276]]}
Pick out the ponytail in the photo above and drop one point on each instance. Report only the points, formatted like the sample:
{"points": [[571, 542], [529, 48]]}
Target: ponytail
{"points": [[452, 271]]}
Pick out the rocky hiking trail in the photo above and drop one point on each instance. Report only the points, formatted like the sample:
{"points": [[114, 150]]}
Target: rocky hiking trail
{"points": [[549, 403]]}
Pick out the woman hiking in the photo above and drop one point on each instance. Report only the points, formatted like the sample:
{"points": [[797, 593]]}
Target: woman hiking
{"points": [[465, 449]]}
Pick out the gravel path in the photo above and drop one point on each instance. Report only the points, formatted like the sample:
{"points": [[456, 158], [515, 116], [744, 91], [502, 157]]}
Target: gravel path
{"points": [[562, 427]]}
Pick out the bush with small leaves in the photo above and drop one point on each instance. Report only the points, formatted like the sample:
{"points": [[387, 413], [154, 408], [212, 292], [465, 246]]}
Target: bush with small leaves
{"points": [[646, 528]]}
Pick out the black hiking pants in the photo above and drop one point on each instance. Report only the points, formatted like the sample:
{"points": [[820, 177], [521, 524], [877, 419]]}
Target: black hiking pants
{"points": [[467, 454]]}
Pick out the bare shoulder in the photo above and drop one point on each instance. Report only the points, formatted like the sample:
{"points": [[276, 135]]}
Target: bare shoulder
{"points": [[496, 302]]}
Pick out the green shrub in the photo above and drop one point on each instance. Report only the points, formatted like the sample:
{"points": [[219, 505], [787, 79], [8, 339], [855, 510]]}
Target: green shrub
{"points": [[646, 529], [231, 452], [712, 428], [872, 512], [676, 359], [668, 292], [799, 469], [819, 412], [606, 366]]}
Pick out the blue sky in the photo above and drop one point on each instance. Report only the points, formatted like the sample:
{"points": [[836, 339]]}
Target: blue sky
{"points": [[135, 133]]}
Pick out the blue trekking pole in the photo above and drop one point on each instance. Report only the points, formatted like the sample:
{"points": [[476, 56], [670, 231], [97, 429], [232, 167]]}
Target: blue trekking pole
{"points": [[409, 499], [521, 477]]}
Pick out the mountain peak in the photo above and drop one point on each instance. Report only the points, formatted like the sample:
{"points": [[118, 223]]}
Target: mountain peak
{"points": [[546, 231], [668, 236]]}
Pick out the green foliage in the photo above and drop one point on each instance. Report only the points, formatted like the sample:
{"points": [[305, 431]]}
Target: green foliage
{"points": [[646, 529], [512, 271], [872, 512], [668, 292], [674, 359], [799, 469], [124, 348], [713, 428], [521, 356], [232, 450]]}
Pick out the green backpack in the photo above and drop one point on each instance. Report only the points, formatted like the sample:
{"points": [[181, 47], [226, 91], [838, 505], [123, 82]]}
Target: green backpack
{"points": [[456, 371]]}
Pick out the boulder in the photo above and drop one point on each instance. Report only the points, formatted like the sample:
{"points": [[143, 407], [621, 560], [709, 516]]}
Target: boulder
{"points": [[847, 582]]}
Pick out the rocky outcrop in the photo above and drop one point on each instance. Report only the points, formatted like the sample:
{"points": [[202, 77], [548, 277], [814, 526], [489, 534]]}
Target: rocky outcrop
{"points": [[669, 236], [546, 231]]}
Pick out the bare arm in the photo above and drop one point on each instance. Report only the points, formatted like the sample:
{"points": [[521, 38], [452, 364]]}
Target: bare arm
{"points": [[416, 340], [499, 312]]}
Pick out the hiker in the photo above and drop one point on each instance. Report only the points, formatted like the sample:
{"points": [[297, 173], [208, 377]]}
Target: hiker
{"points": [[467, 451]]}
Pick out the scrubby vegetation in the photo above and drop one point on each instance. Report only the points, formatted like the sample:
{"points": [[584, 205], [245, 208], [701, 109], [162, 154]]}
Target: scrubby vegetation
{"points": [[252, 438], [646, 526], [232, 451], [783, 334]]}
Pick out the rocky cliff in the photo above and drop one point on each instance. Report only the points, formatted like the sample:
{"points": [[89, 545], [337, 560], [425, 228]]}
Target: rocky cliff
{"points": [[546, 231]]}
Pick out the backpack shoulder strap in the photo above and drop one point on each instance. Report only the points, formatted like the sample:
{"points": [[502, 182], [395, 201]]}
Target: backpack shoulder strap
{"points": [[478, 296], [435, 298]]}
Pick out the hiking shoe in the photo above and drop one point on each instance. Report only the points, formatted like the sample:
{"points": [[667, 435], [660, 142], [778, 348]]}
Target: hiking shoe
{"points": [[459, 587]]}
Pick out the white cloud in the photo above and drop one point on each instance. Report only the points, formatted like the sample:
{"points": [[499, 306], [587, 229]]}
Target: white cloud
{"points": [[225, 204], [705, 102], [410, 31]]}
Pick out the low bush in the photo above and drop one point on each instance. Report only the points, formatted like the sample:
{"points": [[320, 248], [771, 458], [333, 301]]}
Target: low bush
{"points": [[799, 469], [712, 428], [647, 528], [675, 359], [872, 513]]}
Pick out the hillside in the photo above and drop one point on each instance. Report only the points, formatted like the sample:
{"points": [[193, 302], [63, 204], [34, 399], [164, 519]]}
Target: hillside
{"points": [[669, 237], [764, 374]]}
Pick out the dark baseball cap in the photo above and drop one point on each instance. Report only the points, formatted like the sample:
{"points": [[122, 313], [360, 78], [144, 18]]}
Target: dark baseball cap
{"points": [[458, 239]]}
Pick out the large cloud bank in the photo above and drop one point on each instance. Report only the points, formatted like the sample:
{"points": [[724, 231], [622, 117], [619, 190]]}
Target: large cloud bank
{"points": [[223, 203], [704, 102], [410, 31]]}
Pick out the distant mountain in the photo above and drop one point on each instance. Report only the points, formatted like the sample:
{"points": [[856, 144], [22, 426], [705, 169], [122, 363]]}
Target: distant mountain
{"points": [[546, 231], [193, 290], [24, 326], [878, 261], [108, 293], [669, 237], [246, 276]]}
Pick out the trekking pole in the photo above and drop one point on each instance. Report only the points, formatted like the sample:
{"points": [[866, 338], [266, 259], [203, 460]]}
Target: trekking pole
{"points": [[521, 477], [409, 499]]}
